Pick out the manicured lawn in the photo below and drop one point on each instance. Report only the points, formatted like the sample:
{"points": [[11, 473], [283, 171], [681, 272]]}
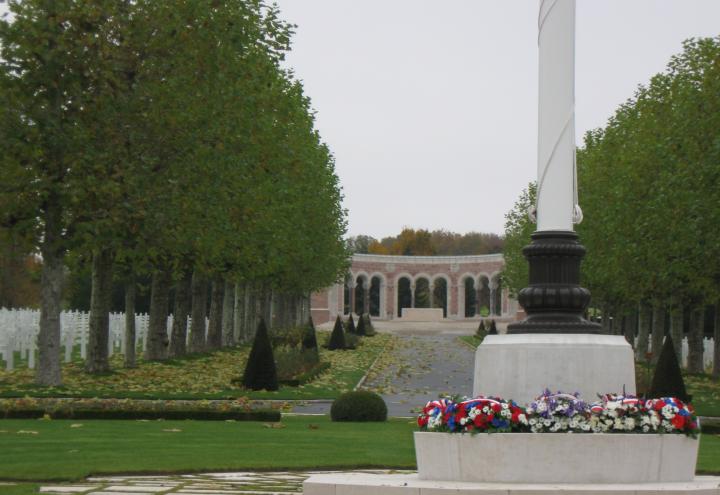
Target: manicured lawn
{"points": [[470, 340], [206, 376], [59, 451], [19, 489]]}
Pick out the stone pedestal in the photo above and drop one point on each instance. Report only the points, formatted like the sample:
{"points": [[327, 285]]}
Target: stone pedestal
{"points": [[555, 457], [521, 366]]}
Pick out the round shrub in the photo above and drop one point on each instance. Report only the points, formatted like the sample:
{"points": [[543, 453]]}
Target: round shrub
{"points": [[360, 405]]}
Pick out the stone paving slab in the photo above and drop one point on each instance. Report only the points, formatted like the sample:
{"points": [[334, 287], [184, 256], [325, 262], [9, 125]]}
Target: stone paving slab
{"points": [[229, 483]]}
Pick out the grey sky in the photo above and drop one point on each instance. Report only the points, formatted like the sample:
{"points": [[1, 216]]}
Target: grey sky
{"points": [[431, 107]]}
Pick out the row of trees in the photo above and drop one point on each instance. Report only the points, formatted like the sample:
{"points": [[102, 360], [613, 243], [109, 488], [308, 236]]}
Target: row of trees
{"points": [[648, 188], [163, 140], [411, 242]]}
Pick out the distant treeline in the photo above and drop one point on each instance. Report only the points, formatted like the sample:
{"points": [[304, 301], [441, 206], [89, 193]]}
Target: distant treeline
{"points": [[411, 242]]}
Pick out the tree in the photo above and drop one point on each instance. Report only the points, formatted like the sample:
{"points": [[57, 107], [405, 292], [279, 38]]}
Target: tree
{"points": [[518, 228], [337, 337], [667, 380], [260, 371]]}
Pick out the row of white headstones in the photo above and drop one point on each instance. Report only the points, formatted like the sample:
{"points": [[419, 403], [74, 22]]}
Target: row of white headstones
{"points": [[19, 329]]}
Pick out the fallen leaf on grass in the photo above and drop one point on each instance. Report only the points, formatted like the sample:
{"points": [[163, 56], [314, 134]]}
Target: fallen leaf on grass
{"points": [[313, 427], [172, 430], [27, 432], [273, 425], [76, 425]]}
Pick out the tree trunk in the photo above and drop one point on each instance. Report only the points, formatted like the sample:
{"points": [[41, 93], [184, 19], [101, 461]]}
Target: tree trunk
{"points": [[157, 348], [51, 279], [695, 341], [716, 346], [250, 312], [228, 335], [130, 349], [199, 311], [606, 319], [238, 312], [641, 348], [676, 330], [100, 300], [658, 331], [631, 321], [214, 335], [178, 337]]}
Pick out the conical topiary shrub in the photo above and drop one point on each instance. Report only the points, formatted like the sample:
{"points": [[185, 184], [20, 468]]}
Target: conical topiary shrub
{"points": [[309, 340], [667, 380], [337, 337], [360, 330], [351, 325], [493, 328], [260, 371], [481, 331], [369, 329]]}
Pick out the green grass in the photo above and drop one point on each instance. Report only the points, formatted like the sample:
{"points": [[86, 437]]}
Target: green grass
{"points": [[59, 451], [203, 376], [19, 489], [470, 340]]}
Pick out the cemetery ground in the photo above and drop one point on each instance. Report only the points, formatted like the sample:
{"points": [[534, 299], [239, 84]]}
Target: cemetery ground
{"points": [[37, 453], [201, 376]]}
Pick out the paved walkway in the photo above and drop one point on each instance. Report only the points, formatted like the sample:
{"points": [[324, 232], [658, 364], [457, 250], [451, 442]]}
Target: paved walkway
{"points": [[286, 482], [427, 360]]}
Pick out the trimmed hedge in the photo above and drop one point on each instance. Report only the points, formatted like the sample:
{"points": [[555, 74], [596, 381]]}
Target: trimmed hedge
{"points": [[359, 405], [337, 337], [260, 372], [205, 415]]}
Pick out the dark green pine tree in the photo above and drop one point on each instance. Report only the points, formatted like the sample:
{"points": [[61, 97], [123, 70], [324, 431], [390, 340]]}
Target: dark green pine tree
{"points": [[667, 380], [260, 371], [481, 331], [309, 341], [493, 328], [337, 337], [351, 325], [360, 330]]}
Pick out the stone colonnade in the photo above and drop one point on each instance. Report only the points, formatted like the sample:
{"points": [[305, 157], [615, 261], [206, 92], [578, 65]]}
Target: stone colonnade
{"points": [[464, 287]]}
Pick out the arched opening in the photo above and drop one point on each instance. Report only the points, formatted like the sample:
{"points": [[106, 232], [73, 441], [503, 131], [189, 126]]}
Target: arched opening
{"points": [[496, 295], [362, 287], [404, 295], [470, 297], [483, 296], [375, 296], [422, 293], [440, 295]]}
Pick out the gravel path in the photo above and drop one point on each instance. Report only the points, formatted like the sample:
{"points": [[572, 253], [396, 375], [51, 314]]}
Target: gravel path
{"points": [[423, 364], [419, 369]]}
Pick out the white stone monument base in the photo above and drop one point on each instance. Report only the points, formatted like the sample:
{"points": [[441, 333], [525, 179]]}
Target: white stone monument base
{"points": [[520, 367], [556, 457], [410, 484]]}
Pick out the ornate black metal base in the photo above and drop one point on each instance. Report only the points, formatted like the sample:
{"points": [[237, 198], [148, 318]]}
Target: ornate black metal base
{"points": [[554, 301]]}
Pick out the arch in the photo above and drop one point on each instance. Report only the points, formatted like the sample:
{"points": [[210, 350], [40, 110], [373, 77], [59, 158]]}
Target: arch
{"points": [[362, 292], [423, 298], [404, 293], [468, 284], [378, 294], [483, 295], [441, 295]]}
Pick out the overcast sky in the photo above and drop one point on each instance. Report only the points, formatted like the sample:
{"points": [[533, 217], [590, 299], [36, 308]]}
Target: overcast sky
{"points": [[430, 108]]}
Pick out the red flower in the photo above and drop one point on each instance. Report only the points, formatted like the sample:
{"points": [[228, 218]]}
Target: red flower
{"points": [[678, 421], [422, 421], [659, 404], [496, 407], [515, 416]]}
